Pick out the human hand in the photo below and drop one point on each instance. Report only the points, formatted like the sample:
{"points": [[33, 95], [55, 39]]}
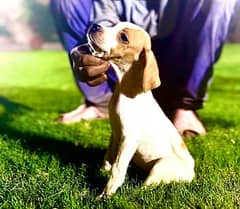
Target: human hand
{"points": [[88, 68]]}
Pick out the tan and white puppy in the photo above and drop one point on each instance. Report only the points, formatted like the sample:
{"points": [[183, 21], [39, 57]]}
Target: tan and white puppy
{"points": [[140, 130]]}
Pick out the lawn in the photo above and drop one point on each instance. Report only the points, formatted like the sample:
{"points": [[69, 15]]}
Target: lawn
{"points": [[45, 164]]}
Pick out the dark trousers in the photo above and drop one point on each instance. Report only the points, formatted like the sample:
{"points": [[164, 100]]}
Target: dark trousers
{"points": [[189, 40]]}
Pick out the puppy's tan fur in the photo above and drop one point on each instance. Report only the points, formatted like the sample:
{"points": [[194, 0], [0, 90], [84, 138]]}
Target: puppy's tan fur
{"points": [[140, 130]]}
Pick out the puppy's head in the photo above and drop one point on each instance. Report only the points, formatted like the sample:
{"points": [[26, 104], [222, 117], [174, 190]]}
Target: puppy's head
{"points": [[129, 47]]}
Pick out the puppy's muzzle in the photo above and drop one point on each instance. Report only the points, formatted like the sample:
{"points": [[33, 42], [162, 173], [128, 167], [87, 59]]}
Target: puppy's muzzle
{"points": [[87, 48], [91, 47], [94, 31], [96, 36]]}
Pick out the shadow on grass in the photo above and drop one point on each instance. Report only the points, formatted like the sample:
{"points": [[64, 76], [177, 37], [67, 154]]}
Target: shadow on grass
{"points": [[66, 152], [212, 122], [11, 107]]}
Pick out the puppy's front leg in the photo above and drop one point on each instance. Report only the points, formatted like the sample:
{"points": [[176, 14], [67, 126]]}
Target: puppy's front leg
{"points": [[126, 150], [110, 155]]}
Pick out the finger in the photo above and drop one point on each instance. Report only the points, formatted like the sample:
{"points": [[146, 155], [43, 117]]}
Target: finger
{"points": [[97, 80], [90, 60], [92, 71], [89, 73]]}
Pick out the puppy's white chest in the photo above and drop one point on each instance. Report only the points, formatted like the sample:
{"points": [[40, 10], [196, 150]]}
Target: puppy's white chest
{"points": [[133, 112], [143, 120]]}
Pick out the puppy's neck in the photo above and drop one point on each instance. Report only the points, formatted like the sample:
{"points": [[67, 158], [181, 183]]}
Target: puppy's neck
{"points": [[120, 70], [128, 82]]}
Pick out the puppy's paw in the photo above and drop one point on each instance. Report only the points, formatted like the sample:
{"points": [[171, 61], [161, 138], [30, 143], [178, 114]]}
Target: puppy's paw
{"points": [[103, 196], [100, 197], [107, 166]]}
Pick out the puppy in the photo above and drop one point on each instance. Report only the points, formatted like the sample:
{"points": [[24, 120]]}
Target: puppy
{"points": [[140, 130]]}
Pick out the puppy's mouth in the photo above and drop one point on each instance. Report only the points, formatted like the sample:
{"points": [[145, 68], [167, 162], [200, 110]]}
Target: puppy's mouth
{"points": [[95, 48], [95, 44]]}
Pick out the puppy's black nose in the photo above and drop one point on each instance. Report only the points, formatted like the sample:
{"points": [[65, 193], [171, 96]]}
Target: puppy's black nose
{"points": [[95, 28]]}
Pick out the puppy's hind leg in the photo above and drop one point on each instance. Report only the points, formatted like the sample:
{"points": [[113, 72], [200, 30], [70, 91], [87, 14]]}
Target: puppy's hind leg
{"points": [[169, 169]]}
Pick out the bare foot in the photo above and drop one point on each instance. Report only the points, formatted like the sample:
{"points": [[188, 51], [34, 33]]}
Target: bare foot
{"points": [[83, 112], [187, 123]]}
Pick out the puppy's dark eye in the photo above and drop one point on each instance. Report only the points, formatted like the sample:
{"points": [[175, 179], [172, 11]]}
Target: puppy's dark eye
{"points": [[123, 37]]}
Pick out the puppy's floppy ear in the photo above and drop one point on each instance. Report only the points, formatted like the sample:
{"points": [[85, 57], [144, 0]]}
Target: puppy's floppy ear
{"points": [[151, 78], [142, 76]]}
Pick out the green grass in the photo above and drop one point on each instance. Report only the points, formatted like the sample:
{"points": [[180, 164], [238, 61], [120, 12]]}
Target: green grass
{"points": [[44, 164]]}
